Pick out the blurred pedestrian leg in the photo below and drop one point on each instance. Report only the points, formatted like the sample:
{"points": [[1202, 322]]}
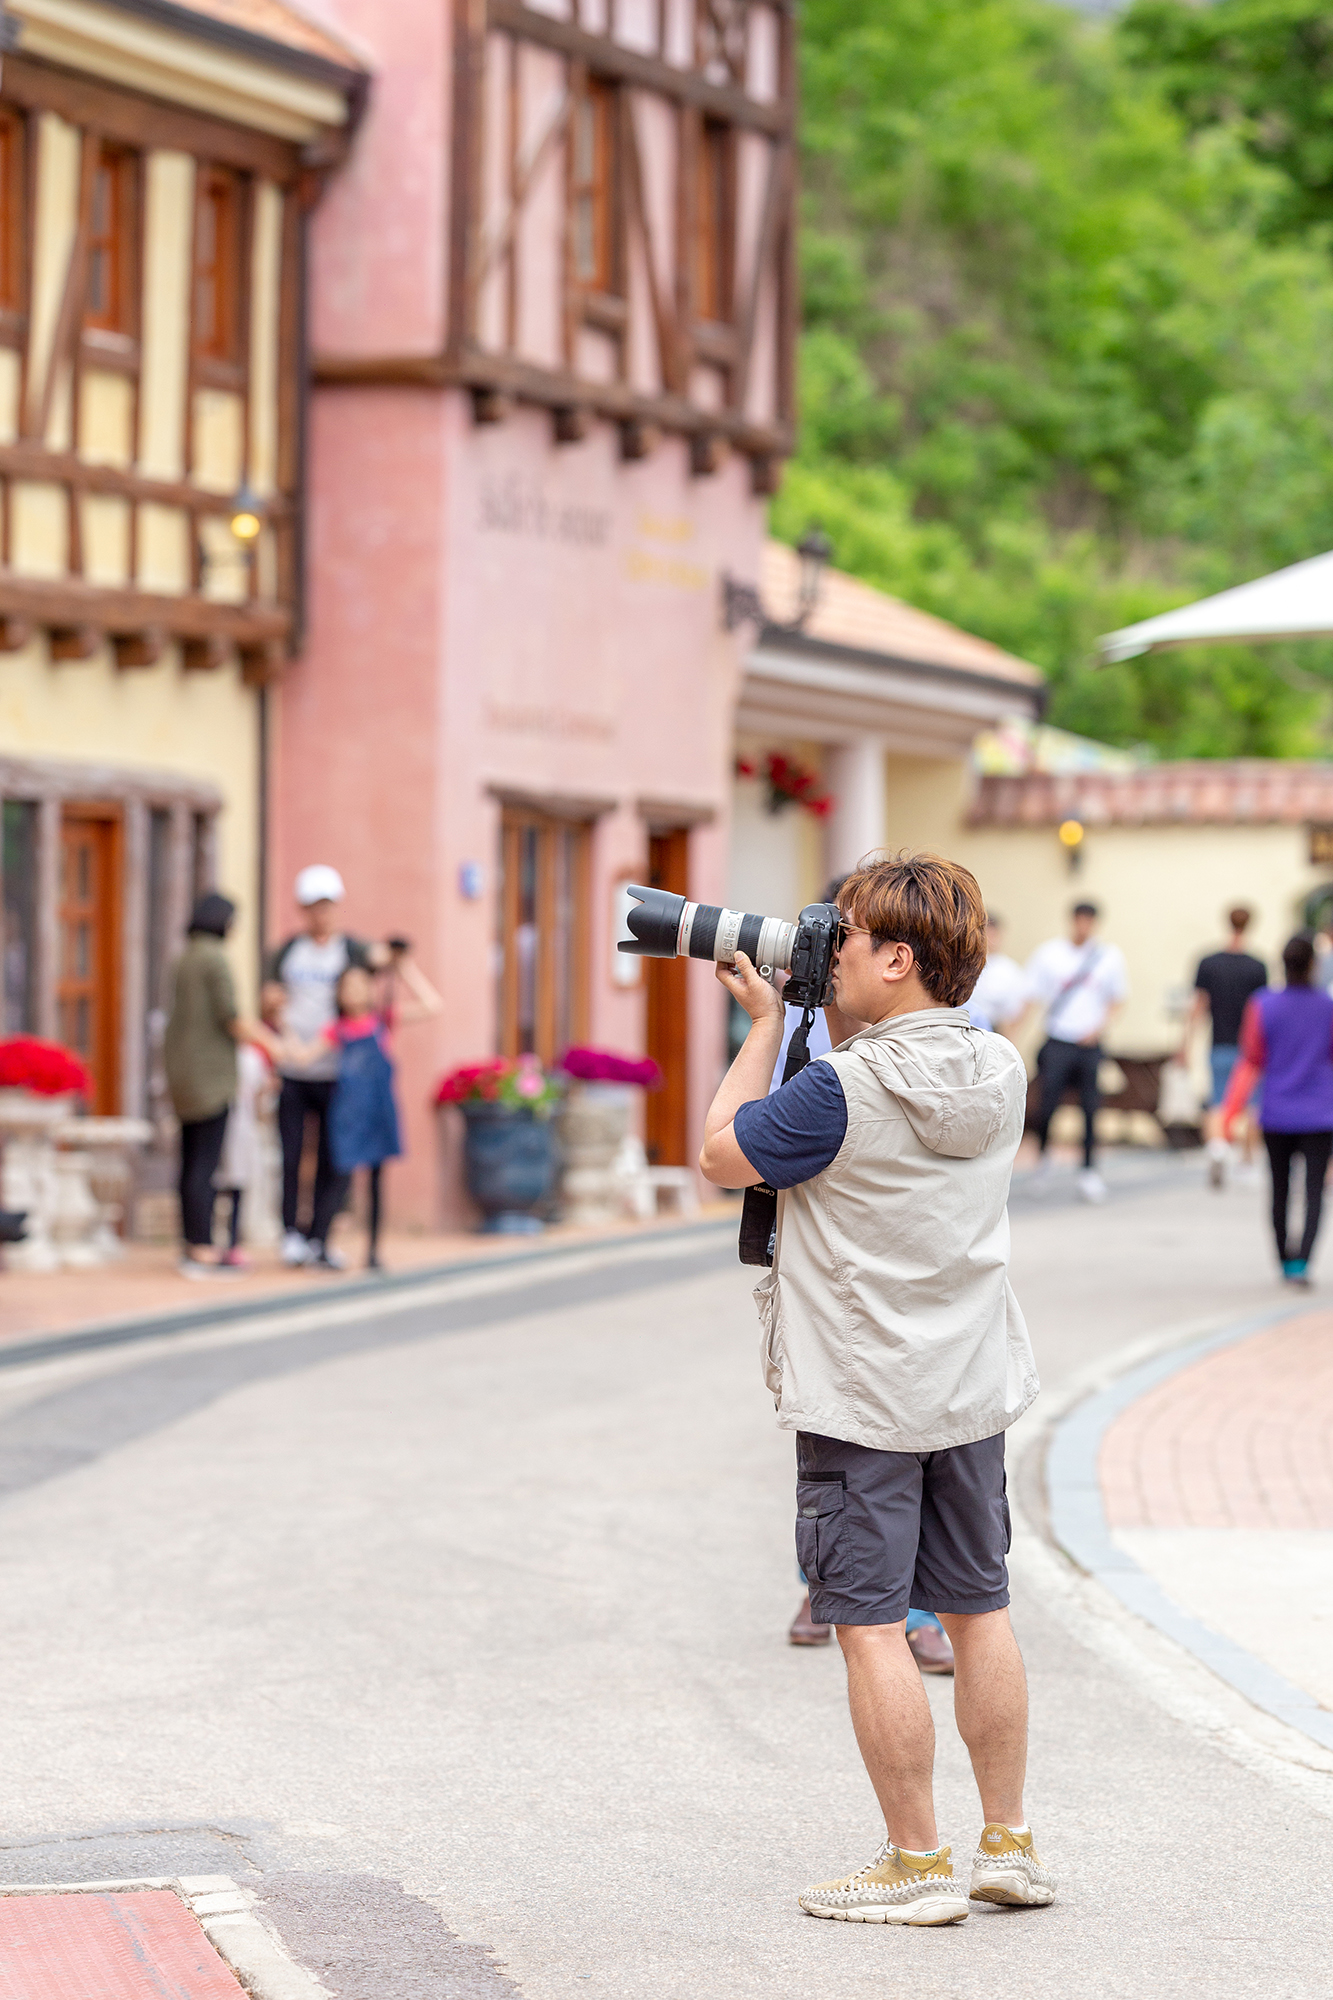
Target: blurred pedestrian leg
{"points": [[1314, 1149]]}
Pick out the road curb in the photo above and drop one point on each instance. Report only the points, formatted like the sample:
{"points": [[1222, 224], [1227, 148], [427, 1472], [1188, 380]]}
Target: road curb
{"points": [[1079, 1526], [391, 1286], [225, 1914]]}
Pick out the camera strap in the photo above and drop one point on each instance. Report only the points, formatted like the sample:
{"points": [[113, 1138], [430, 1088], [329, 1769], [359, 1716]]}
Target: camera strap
{"points": [[759, 1210]]}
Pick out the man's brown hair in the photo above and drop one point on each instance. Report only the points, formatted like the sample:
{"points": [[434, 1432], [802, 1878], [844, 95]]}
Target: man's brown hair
{"points": [[932, 905], [1239, 919]]}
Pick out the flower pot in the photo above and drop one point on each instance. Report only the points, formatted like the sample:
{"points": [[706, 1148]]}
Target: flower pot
{"points": [[509, 1165], [594, 1123]]}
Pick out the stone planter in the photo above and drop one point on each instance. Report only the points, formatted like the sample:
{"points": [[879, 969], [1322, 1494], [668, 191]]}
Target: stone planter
{"points": [[30, 1181], [509, 1165], [50, 1159], [594, 1124]]}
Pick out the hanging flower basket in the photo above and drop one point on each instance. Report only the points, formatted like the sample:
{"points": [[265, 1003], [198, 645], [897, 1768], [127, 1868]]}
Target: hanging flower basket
{"points": [[789, 784]]}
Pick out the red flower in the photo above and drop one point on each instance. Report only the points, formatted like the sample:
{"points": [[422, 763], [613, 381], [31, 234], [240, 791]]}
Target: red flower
{"points": [[42, 1067]]}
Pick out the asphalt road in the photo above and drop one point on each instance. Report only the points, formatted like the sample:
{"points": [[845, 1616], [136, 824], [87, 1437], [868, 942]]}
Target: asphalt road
{"points": [[458, 1633]]}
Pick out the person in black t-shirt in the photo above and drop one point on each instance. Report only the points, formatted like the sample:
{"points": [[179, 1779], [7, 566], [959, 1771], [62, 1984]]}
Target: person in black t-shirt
{"points": [[1222, 985]]}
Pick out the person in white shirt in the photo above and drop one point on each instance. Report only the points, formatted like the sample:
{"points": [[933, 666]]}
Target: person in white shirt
{"points": [[1082, 985], [1000, 996]]}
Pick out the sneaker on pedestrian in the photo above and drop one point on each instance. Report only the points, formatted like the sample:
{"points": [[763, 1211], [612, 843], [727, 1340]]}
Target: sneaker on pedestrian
{"points": [[1248, 1174], [894, 1888], [805, 1630], [325, 1257], [1091, 1186], [235, 1260], [1296, 1272], [1219, 1161], [197, 1267], [1005, 1868], [295, 1249], [930, 1648]]}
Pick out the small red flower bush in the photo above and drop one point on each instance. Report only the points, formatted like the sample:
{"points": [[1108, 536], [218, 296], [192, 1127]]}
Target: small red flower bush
{"points": [[519, 1081], [42, 1067], [605, 1066]]}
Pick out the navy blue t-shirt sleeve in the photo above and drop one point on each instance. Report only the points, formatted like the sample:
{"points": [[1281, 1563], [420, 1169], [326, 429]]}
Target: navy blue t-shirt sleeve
{"points": [[794, 1134]]}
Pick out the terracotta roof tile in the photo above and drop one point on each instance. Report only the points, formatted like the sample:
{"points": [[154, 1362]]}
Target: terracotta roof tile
{"points": [[277, 22], [855, 614], [1228, 792]]}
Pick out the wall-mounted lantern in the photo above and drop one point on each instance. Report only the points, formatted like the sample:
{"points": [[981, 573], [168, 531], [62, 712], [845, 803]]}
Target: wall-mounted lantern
{"points": [[1070, 836], [742, 604]]}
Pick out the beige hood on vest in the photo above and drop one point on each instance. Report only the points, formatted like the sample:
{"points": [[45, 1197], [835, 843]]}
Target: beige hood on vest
{"points": [[955, 1091]]}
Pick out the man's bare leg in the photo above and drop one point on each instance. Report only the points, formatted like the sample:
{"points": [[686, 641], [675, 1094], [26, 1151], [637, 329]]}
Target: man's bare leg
{"points": [[894, 1729], [990, 1704]]}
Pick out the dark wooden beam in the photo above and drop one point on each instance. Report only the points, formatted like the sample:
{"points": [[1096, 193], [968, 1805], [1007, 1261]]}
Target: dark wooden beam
{"points": [[15, 634], [73, 642], [204, 656], [139, 649], [571, 424], [263, 664], [707, 454], [638, 440], [67, 603], [490, 406], [549, 388], [604, 57], [32, 460], [133, 120]]}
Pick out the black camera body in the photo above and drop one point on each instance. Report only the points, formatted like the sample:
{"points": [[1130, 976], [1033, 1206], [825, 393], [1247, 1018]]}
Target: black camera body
{"points": [[819, 932]]}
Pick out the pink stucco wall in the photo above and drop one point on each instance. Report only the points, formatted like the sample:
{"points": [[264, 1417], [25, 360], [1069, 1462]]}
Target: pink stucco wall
{"points": [[490, 614], [494, 614]]}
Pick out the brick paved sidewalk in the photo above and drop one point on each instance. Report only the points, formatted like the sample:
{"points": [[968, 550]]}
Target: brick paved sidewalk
{"points": [[1243, 1439]]}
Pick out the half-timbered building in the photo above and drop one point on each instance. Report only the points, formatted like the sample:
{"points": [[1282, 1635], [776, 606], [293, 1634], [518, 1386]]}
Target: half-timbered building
{"points": [[552, 324], [157, 162]]}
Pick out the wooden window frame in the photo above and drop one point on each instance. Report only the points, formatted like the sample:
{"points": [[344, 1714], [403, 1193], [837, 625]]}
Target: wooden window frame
{"points": [[575, 945], [14, 173], [107, 973], [222, 365], [114, 342], [715, 224], [597, 98]]}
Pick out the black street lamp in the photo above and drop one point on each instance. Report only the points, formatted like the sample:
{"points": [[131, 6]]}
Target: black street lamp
{"points": [[742, 604]]}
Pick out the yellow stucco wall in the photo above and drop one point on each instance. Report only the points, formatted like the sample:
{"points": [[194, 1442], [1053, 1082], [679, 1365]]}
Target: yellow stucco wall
{"points": [[200, 725], [1163, 890]]}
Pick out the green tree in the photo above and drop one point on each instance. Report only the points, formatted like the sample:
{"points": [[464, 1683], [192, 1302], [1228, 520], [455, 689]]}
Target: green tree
{"points": [[1065, 362]]}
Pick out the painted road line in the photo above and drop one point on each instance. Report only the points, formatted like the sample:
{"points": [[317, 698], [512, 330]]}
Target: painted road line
{"points": [[1079, 1526], [387, 1290]]}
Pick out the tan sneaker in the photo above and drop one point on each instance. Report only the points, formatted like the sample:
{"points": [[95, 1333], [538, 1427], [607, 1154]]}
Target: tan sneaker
{"points": [[1006, 1869], [893, 1889]]}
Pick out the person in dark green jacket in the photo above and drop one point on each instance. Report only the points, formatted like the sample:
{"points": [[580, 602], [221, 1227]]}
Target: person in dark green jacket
{"points": [[203, 1029]]}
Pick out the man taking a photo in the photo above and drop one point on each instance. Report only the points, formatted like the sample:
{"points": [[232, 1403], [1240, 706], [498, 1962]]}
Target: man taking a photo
{"points": [[895, 1349]]}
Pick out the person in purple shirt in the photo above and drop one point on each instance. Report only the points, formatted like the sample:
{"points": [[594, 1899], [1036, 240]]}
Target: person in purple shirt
{"points": [[1286, 1037]]}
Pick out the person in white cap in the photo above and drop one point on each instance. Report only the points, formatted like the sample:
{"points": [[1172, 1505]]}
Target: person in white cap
{"points": [[309, 966]]}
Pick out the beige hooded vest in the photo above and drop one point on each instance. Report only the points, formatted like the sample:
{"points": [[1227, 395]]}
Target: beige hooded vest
{"points": [[888, 1316]]}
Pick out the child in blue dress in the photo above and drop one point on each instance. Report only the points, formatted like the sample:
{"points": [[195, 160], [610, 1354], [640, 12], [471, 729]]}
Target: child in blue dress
{"points": [[363, 1116]]}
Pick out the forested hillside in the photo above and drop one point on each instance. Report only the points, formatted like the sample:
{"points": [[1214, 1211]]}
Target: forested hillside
{"points": [[1068, 356]]}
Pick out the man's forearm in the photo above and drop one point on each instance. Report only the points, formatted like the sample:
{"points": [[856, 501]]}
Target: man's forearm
{"points": [[750, 1075]]}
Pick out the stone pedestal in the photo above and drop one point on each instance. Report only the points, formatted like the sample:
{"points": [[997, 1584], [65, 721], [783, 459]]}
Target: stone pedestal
{"points": [[594, 1123], [50, 1160]]}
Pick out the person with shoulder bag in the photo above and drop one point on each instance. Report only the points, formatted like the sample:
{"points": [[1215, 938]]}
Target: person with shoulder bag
{"points": [[894, 1347]]}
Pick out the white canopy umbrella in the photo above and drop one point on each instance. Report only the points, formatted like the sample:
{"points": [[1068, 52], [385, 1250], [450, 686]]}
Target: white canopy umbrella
{"points": [[1294, 603]]}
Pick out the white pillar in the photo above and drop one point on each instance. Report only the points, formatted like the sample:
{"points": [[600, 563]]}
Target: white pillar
{"points": [[856, 825]]}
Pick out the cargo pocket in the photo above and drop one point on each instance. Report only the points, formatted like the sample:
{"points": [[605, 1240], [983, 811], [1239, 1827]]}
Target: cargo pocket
{"points": [[823, 1541], [770, 1346]]}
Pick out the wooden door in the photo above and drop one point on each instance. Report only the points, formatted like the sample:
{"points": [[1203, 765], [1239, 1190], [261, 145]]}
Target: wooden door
{"points": [[666, 1121], [543, 934], [88, 965]]}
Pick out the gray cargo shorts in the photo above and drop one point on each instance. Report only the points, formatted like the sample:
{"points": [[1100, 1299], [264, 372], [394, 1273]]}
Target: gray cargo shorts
{"points": [[880, 1532]]}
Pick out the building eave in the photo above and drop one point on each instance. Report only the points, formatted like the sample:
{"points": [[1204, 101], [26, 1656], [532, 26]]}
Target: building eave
{"points": [[183, 57]]}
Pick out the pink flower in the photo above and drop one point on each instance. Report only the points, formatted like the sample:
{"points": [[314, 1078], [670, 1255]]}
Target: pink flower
{"points": [[529, 1082]]}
